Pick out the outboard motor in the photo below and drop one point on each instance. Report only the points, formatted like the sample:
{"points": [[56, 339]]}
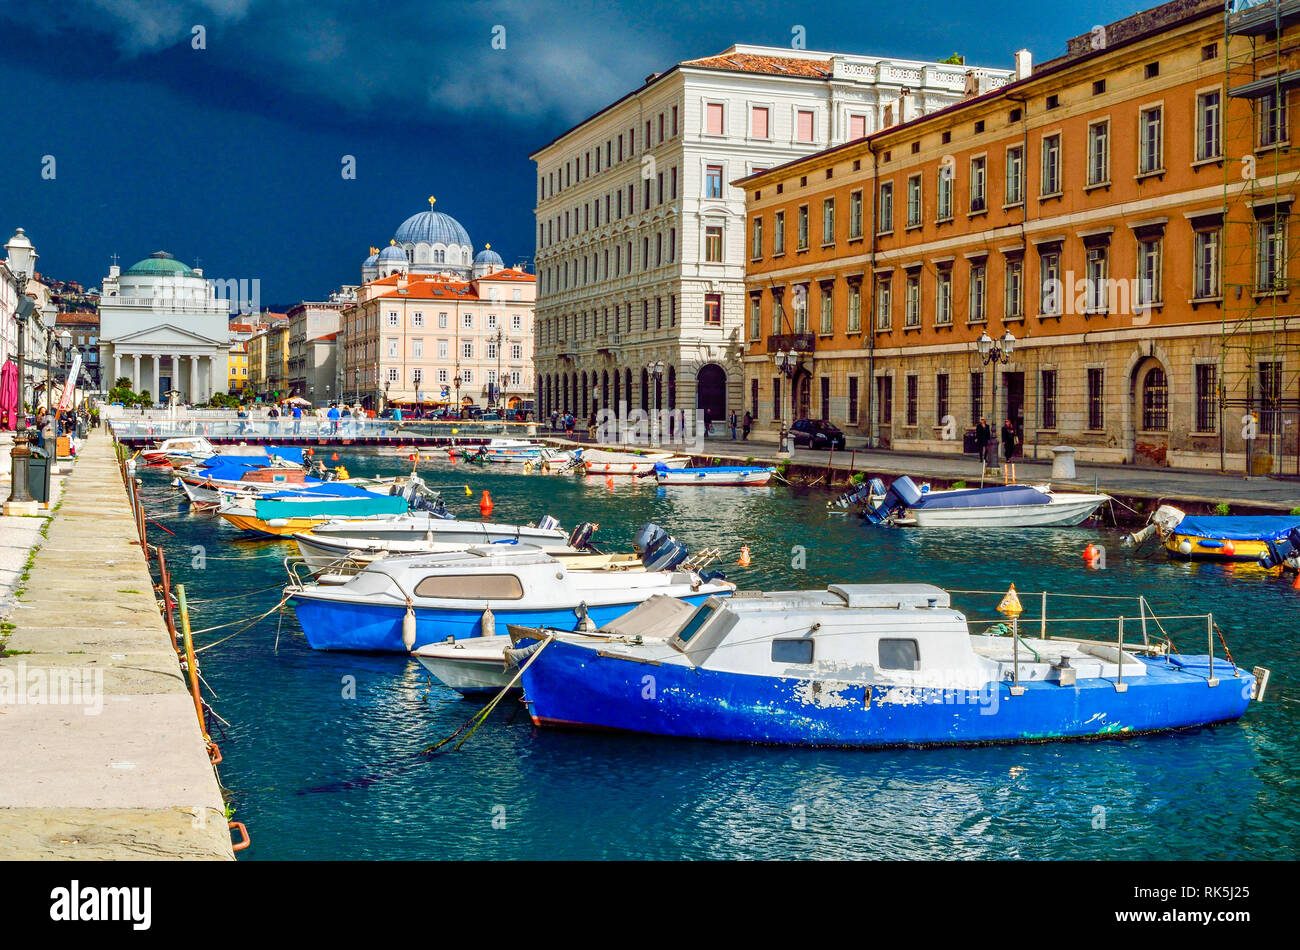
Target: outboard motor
{"points": [[1282, 551], [665, 554], [548, 523], [580, 539], [646, 537], [902, 494]]}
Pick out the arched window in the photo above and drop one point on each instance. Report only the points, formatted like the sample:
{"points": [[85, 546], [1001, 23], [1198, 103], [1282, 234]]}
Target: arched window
{"points": [[1155, 401]]}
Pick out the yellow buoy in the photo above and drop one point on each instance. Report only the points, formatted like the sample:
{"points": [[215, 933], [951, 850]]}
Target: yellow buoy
{"points": [[1010, 604], [744, 556]]}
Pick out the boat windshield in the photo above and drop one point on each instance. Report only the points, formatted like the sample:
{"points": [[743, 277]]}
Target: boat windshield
{"points": [[693, 625]]}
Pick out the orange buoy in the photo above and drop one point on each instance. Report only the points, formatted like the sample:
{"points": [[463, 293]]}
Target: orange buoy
{"points": [[451, 454], [744, 556], [609, 481], [1090, 553], [485, 504], [1229, 549], [1296, 585], [334, 457], [412, 457], [309, 451]]}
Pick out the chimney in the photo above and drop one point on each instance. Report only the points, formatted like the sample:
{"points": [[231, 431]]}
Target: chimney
{"points": [[906, 106], [1024, 64], [401, 283], [977, 83]]}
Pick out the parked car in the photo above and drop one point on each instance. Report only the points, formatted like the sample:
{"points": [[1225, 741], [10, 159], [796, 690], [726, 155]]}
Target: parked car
{"points": [[490, 417], [816, 434]]}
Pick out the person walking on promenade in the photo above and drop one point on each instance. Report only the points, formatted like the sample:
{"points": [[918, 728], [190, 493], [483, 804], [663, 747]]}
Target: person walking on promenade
{"points": [[333, 416], [733, 421], [555, 419], [983, 438], [1008, 440], [297, 419], [746, 424], [273, 415]]}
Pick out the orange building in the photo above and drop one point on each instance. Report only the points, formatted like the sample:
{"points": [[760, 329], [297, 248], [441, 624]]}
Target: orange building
{"points": [[1115, 225]]}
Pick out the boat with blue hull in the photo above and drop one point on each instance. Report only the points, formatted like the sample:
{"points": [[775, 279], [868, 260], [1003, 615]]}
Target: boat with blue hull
{"points": [[868, 666], [401, 603]]}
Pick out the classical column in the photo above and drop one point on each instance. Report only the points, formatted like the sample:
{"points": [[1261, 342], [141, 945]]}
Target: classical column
{"points": [[117, 369], [176, 372], [157, 376], [194, 380], [135, 372], [212, 375]]}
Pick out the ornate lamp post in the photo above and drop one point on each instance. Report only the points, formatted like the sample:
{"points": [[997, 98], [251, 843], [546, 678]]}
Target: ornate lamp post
{"points": [[22, 262], [992, 352], [458, 380], [500, 342], [787, 364], [655, 369]]}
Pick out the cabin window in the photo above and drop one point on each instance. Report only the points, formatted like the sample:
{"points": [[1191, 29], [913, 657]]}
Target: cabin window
{"points": [[792, 651], [693, 625], [899, 655], [471, 587]]}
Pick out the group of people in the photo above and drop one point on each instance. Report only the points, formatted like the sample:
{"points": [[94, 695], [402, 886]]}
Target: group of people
{"points": [[984, 439], [745, 425]]}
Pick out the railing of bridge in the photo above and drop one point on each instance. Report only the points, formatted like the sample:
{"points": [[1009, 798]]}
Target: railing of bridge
{"points": [[356, 430]]}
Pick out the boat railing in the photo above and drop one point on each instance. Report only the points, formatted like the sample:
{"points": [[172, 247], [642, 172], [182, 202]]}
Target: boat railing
{"points": [[1153, 639], [298, 568]]}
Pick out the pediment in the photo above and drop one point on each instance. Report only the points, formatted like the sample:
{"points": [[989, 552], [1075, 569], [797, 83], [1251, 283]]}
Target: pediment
{"points": [[166, 334]]}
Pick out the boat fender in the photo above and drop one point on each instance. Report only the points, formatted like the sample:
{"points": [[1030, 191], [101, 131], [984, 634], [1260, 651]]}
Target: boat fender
{"points": [[278, 523], [708, 577], [488, 626], [408, 627], [1184, 547]]}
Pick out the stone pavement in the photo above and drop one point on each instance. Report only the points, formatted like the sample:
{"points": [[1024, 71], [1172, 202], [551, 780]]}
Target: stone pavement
{"points": [[100, 749]]}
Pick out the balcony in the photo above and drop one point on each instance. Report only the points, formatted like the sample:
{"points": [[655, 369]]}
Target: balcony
{"points": [[791, 342]]}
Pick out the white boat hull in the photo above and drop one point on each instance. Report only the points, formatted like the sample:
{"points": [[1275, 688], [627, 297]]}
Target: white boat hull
{"points": [[688, 477], [1064, 510], [469, 666]]}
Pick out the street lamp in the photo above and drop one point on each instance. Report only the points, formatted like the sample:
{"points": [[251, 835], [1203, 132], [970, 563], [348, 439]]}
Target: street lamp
{"points": [[992, 352], [500, 342], [655, 369], [21, 258], [787, 364]]}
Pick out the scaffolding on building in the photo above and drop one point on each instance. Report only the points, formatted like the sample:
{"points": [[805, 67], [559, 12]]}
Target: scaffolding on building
{"points": [[1259, 360]]}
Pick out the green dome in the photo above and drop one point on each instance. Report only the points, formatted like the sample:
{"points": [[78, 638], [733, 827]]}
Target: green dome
{"points": [[160, 262]]}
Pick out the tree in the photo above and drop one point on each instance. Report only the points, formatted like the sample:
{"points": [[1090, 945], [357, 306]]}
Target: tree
{"points": [[956, 59]]}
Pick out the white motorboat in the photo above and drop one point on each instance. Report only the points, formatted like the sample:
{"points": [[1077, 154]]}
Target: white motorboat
{"points": [[176, 452], [714, 475], [603, 462], [420, 525], [999, 506]]}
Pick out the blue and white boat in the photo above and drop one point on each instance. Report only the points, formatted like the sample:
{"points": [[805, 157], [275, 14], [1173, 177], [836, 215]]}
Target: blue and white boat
{"points": [[714, 475], [998, 506], [397, 604], [867, 666]]}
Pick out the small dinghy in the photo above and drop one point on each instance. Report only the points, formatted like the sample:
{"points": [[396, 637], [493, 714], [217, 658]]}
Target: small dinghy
{"points": [[399, 603], [603, 462], [715, 475], [478, 665], [865, 665], [1215, 537], [179, 452], [1000, 506]]}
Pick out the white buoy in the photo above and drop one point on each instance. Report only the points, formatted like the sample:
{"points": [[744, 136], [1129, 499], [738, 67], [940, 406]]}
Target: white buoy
{"points": [[408, 628], [489, 626], [1185, 547]]}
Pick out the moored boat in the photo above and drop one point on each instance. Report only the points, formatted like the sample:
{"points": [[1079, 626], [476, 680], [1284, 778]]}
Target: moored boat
{"points": [[287, 513], [862, 665], [714, 475], [1000, 506], [604, 462], [181, 451], [1215, 537], [421, 525]]}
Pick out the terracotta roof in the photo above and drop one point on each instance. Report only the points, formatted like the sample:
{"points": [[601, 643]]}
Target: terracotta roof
{"points": [[511, 273], [326, 338], [772, 65], [435, 290], [78, 317]]}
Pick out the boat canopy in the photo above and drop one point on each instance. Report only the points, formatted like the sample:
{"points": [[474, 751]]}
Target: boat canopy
{"points": [[324, 490], [999, 496], [1238, 527], [256, 457], [661, 468], [296, 506]]}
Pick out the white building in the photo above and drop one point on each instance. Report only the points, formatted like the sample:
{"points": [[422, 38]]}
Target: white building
{"points": [[640, 235], [162, 326]]}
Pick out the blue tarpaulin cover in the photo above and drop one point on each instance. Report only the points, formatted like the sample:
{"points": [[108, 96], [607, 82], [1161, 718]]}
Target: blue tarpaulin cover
{"points": [[995, 497], [323, 489], [1238, 527]]}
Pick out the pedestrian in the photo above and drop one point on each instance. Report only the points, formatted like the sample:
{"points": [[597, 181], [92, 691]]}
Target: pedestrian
{"points": [[708, 423], [1008, 440], [297, 419], [274, 415], [591, 425], [983, 439], [333, 416], [555, 418], [733, 422], [746, 424]]}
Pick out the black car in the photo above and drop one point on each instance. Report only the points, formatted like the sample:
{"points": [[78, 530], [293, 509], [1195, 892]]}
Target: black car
{"points": [[816, 434]]}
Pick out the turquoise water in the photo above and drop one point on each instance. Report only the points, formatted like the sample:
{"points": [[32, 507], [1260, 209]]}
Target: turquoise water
{"points": [[322, 751]]}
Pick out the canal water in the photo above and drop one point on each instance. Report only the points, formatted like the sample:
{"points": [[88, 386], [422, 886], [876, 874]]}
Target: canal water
{"points": [[323, 750]]}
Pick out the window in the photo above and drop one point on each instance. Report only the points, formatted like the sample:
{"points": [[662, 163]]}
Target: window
{"points": [[914, 201], [1155, 401], [491, 321], [1206, 249], [1209, 136], [753, 398], [1053, 101], [976, 398], [392, 348], [713, 243], [912, 304], [855, 308], [1095, 295], [392, 318], [824, 383], [1270, 395], [417, 349], [899, 654], [1270, 113], [490, 351], [1270, 254], [467, 376], [713, 181], [978, 171], [827, 309], [516, 351], [1051, 177], [943, 297], [1098, 87], [756, 238], [778, 314], [801, 308], [467, 350], [943, 200], [911, 407], [417, 376], [803, 126], [1049, 283], [1098, 153], [1047, 392], [828, 221], [885, 399], [857, 126], [1096, 400], [776, 397], [1206, 397], [755, 317], [516, 321], [853, 400], [886, 210], [442, 349], [712, 123], [713, 310], [978, 293], [417, 319], [940, 398], [1015, 175], [778, 233], [792, 651], [802, 232], [1150, 141], [393, 374], [468, 321], [760, 122], [442, 376], [1151, 70], [884, 302], [1149, 291]]}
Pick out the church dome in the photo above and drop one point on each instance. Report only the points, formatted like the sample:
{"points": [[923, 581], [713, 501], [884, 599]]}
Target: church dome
{"points": [[371, 260], [392, 253], [488, 258], [160, 264], [431, 227]]}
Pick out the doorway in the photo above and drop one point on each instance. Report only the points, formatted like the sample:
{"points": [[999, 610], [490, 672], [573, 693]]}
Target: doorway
{"points": [[711, 392], [1013, 398]]}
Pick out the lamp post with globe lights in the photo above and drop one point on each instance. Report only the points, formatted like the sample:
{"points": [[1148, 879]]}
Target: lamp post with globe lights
{"points": [[993, 352], [21, 259]]}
